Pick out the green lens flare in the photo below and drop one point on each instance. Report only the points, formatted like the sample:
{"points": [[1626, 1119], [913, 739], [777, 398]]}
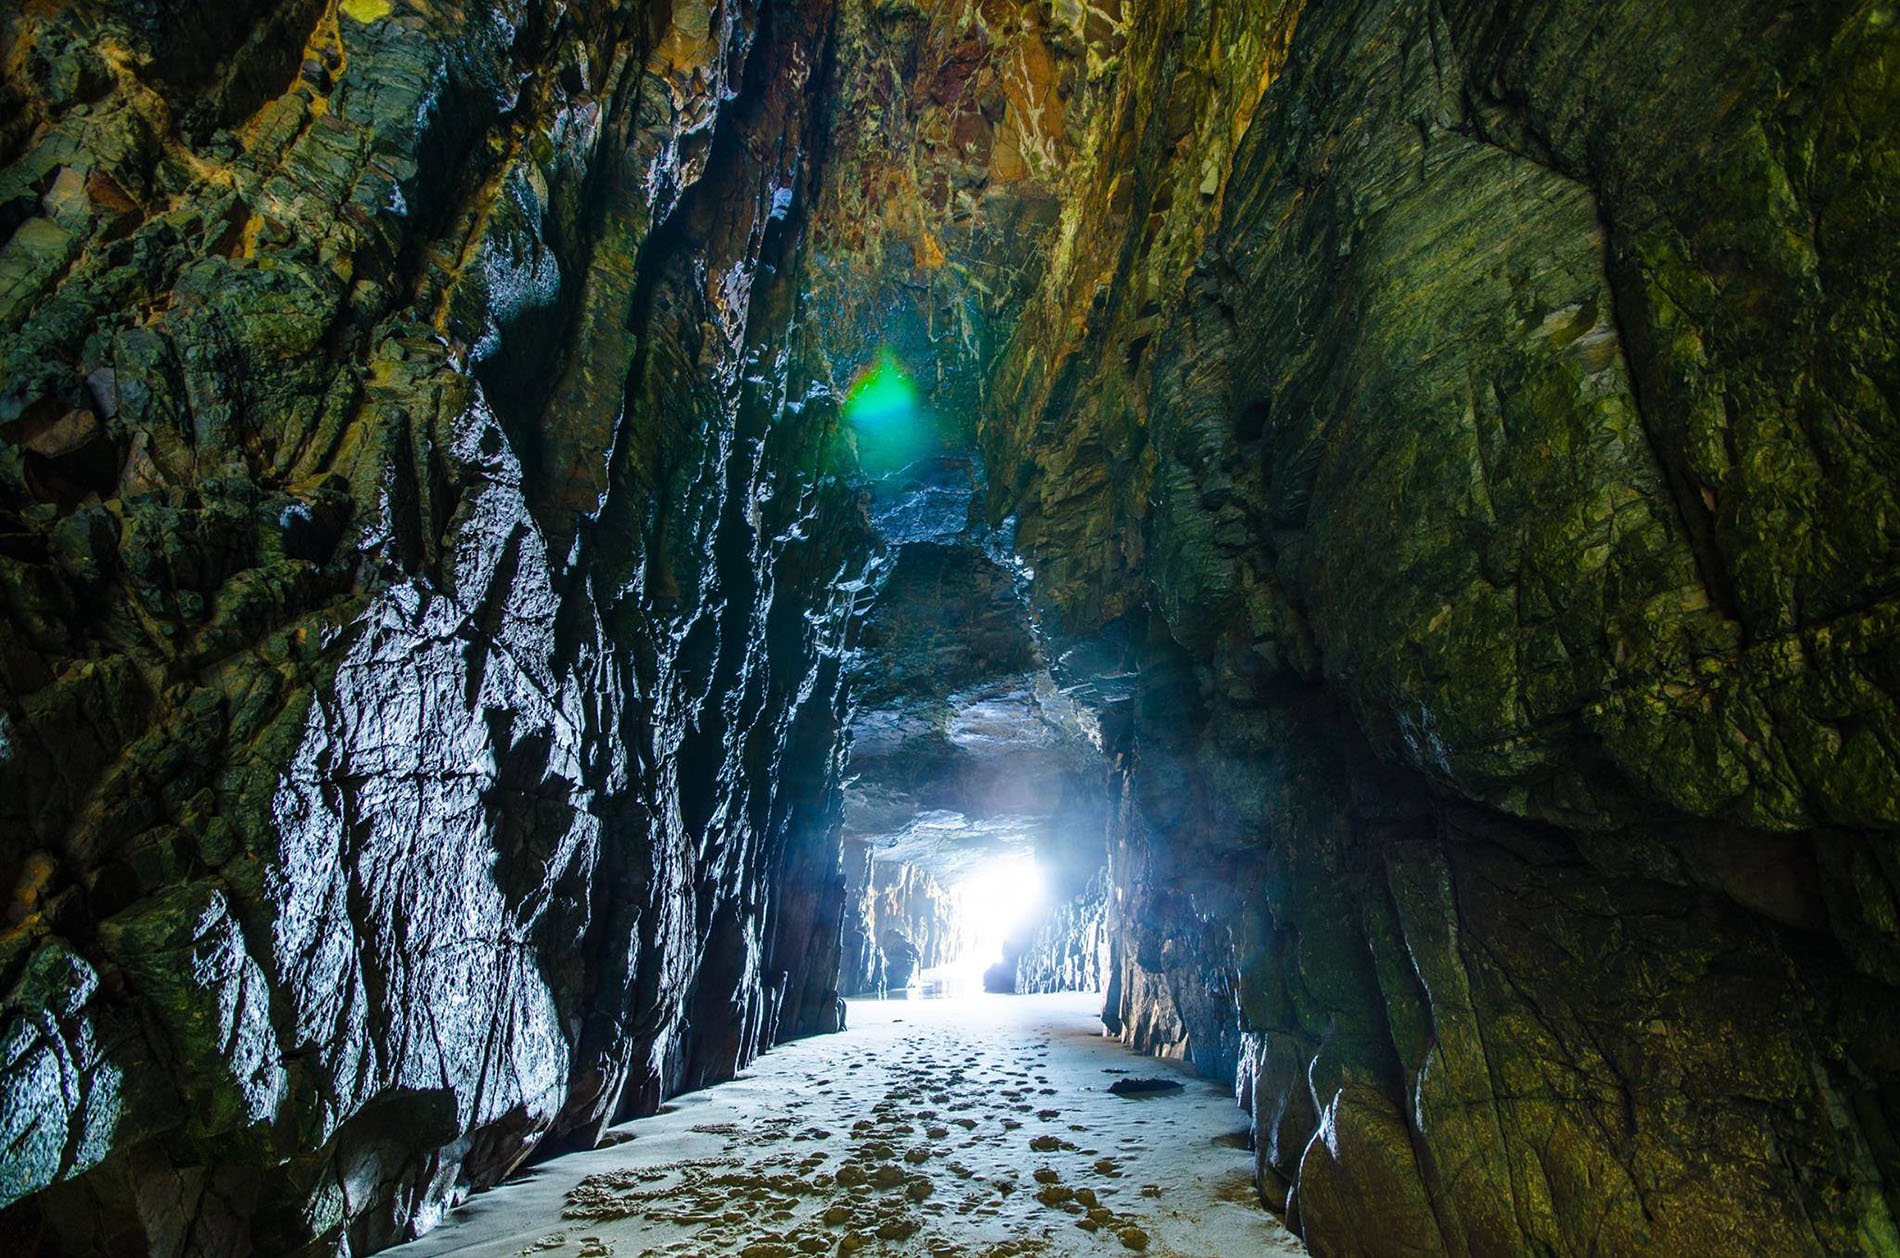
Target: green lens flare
{"points": [[881, 408], [881, 397]]}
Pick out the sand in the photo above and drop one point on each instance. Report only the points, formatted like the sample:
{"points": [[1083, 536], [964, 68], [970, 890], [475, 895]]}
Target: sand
{"points": [[977, 1125]]}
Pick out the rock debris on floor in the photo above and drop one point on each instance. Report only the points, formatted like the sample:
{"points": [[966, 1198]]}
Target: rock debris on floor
{"points": [[976, 1125]]}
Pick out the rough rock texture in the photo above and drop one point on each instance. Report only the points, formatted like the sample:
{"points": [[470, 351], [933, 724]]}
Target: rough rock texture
{"points": [[1474, 425], [957, 727], [1069, 950], [900, 921], [933, 223], [419, 677], [1448, 450]]}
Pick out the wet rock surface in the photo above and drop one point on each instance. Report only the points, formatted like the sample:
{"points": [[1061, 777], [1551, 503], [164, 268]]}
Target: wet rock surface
{"points": [[1146, 1085], [1439, 412], [424, 598], [1403, 523]]}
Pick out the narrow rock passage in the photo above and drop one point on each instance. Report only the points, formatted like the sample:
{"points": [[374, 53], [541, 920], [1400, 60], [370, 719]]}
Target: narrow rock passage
{"points": [[977, 1125]]}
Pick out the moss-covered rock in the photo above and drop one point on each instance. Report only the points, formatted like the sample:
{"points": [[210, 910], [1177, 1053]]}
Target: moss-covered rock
{"points": [[423, 612], [1473, 409]]}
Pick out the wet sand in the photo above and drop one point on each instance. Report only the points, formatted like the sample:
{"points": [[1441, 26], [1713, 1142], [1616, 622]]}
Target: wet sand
{"points": [[978, 1125]]}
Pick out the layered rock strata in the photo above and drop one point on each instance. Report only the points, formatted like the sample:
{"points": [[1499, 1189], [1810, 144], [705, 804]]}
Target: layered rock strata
{"points": [[1473, 425], [1069, 949], [1450, 449], [419, 684], [899, 922]]}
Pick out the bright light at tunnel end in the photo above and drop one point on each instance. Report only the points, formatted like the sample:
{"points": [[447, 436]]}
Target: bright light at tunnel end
{"points": [[995, 901]]}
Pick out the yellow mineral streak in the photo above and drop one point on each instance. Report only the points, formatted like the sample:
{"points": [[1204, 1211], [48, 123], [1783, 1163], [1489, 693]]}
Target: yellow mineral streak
{"points": [[365, 11]]}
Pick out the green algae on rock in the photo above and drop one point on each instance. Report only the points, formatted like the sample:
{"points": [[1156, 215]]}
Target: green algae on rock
{"points": [[1417, 478]]}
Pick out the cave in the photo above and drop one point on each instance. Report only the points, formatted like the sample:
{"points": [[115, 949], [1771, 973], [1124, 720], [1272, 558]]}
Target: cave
{"points": [[996, 627]]}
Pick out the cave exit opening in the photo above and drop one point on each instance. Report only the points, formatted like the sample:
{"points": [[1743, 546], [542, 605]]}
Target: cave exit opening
{"points": [[997, 903]]}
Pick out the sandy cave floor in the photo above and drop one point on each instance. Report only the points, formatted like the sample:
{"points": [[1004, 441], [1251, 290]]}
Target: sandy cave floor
{"points": [[977, 1125]]}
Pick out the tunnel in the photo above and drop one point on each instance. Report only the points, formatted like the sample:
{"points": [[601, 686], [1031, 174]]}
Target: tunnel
{"points": [[661, 628]]}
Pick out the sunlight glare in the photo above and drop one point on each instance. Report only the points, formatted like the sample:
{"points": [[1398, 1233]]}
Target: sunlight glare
{"points": [[995, 901]]}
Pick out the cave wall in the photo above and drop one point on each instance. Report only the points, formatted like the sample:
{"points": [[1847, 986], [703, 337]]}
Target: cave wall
{"points": [[1451, 448], [426, 580], [1068, 950], [900, 921], [1473, 425]]}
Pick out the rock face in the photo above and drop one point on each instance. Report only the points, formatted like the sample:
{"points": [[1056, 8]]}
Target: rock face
{"points": [[1405, 496], [1070, 949], [425, 593], [1474, 426], [932, 225], [962, 747], [899, 920]]}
